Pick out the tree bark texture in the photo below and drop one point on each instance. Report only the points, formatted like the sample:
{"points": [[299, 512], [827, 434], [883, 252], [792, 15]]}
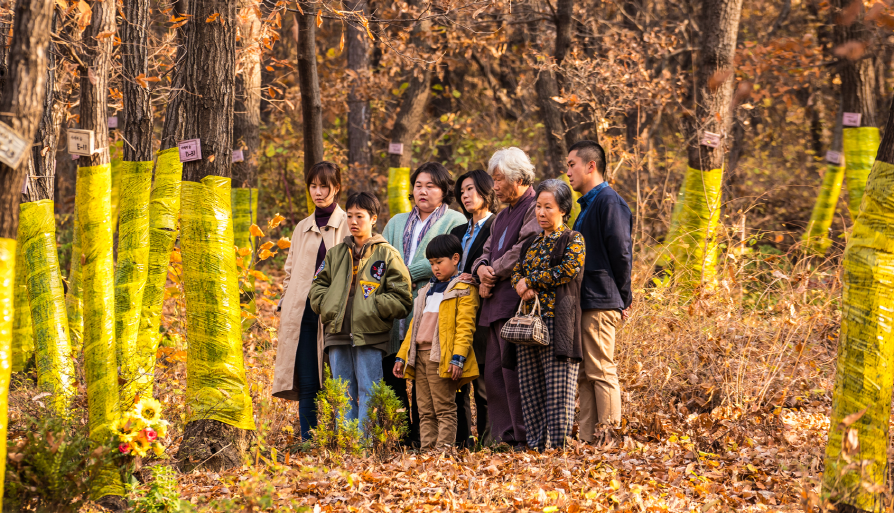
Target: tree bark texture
{"points": [[21, 103], [357, 43], [857, 76], [309, 83], [42, 165], [720, 28], [414, 99], [247, 117], [208, 75], [172, 132], [135, 62], [97, 59], [5, 25]]}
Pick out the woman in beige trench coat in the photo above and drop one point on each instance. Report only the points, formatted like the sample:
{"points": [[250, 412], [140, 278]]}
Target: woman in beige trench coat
{"points": [[299, 357]]}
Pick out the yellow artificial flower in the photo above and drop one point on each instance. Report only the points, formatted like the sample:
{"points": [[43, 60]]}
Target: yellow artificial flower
{"points": [[158, 449], [140, 447], [149, 410], [162, 428], [127, 428]]}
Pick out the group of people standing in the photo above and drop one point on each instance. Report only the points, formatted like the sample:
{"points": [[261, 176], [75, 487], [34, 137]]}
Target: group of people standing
{"points": [[426, 301]]}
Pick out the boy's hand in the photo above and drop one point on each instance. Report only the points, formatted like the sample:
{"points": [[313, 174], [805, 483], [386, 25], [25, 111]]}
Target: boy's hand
{"points": [[398, 369], [455, 372]]}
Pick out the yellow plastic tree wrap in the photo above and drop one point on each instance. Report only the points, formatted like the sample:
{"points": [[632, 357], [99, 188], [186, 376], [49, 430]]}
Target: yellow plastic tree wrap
{"points": [[575, 208], [164, 207], [130, 275], [7, 281], [866, 348], [694, 248], [666, 257], [74, 305], [399, 190], [116, 153], [816, 237], [860, 147], [22, 337], [215, 386], [245, 214], [93, 204], [49, 322]]}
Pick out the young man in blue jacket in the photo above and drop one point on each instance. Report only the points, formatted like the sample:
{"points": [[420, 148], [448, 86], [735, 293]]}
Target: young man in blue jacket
{"points": [[606, 223]]}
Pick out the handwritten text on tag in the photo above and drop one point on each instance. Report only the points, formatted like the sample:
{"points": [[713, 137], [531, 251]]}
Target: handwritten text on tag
{"points": [[710, 139], [851, 118], [80, 142], [12, 147], [190, 150]]}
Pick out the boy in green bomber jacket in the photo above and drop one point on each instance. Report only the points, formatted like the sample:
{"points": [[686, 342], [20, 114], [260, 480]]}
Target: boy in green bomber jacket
{"points": [[359, 289], [437, 350]]}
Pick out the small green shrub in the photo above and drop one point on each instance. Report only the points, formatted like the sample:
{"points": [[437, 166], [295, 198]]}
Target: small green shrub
{"points": [[386, 421], [334, 432], [161, 496], [52, 467]]}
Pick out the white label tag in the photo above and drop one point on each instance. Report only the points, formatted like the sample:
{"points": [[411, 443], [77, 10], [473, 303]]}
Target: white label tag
{"points": [[80, 142], [396, 148], [25, 185], [12, 147], [833, 157], [113, 121], [190, 150], [237, 156], [710, 139], [851, 118]]}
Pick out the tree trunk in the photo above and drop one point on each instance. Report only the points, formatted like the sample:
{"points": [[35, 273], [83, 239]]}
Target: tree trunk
{"points": [[96, 228], [357, 43], [857, 96], [172, 131], [21, 103], [217, 392], [863, 380], [695, 250], [816, 237], [309, 82], [135, 62]]}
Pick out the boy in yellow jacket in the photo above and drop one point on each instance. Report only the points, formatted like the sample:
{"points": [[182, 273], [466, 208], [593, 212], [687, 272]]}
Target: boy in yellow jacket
{"points": [[437, 350]]}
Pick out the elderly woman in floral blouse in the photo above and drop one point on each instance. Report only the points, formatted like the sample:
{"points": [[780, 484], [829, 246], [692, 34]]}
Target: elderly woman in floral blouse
{"points": [[550, 270]]}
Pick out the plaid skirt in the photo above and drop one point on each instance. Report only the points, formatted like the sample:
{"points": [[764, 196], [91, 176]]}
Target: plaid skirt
{"points": [[548, 387]]}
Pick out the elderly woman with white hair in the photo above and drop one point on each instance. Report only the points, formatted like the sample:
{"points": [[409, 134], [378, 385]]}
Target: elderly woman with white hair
{"points": [[513, 176]]}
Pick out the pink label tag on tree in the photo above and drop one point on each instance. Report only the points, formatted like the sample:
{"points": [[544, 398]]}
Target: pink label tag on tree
{"points": [[833, 157], [710, 139], [113, 121], [190, 149], [396, 148], [237, 156], [851, 118]]}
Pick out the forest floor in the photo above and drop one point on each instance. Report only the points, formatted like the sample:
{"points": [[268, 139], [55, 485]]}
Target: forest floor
{"points": [[726, 401]]}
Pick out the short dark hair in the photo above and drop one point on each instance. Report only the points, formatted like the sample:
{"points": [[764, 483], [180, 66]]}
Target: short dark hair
{"points": [[328, 173], [484, 184], [444, 246], [562, 192], [439, 175], [364, 201], [590, 151]]}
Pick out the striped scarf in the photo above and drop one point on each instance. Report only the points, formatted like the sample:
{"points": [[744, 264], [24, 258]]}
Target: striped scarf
{"points": [[411, 226]]}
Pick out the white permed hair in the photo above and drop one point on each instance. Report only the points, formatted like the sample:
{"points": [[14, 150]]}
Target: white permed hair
{"points": [[514, 164]]}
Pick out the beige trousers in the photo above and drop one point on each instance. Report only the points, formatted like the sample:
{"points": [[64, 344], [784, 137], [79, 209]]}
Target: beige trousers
{"points": [[437, 404], [598, 386]]}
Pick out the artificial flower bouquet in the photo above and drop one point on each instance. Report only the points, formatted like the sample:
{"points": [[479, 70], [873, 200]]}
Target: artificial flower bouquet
{"points": [[141, 429]]}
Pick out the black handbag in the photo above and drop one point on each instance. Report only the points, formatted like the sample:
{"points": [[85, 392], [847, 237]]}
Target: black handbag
{"points": [[526, 329]]}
